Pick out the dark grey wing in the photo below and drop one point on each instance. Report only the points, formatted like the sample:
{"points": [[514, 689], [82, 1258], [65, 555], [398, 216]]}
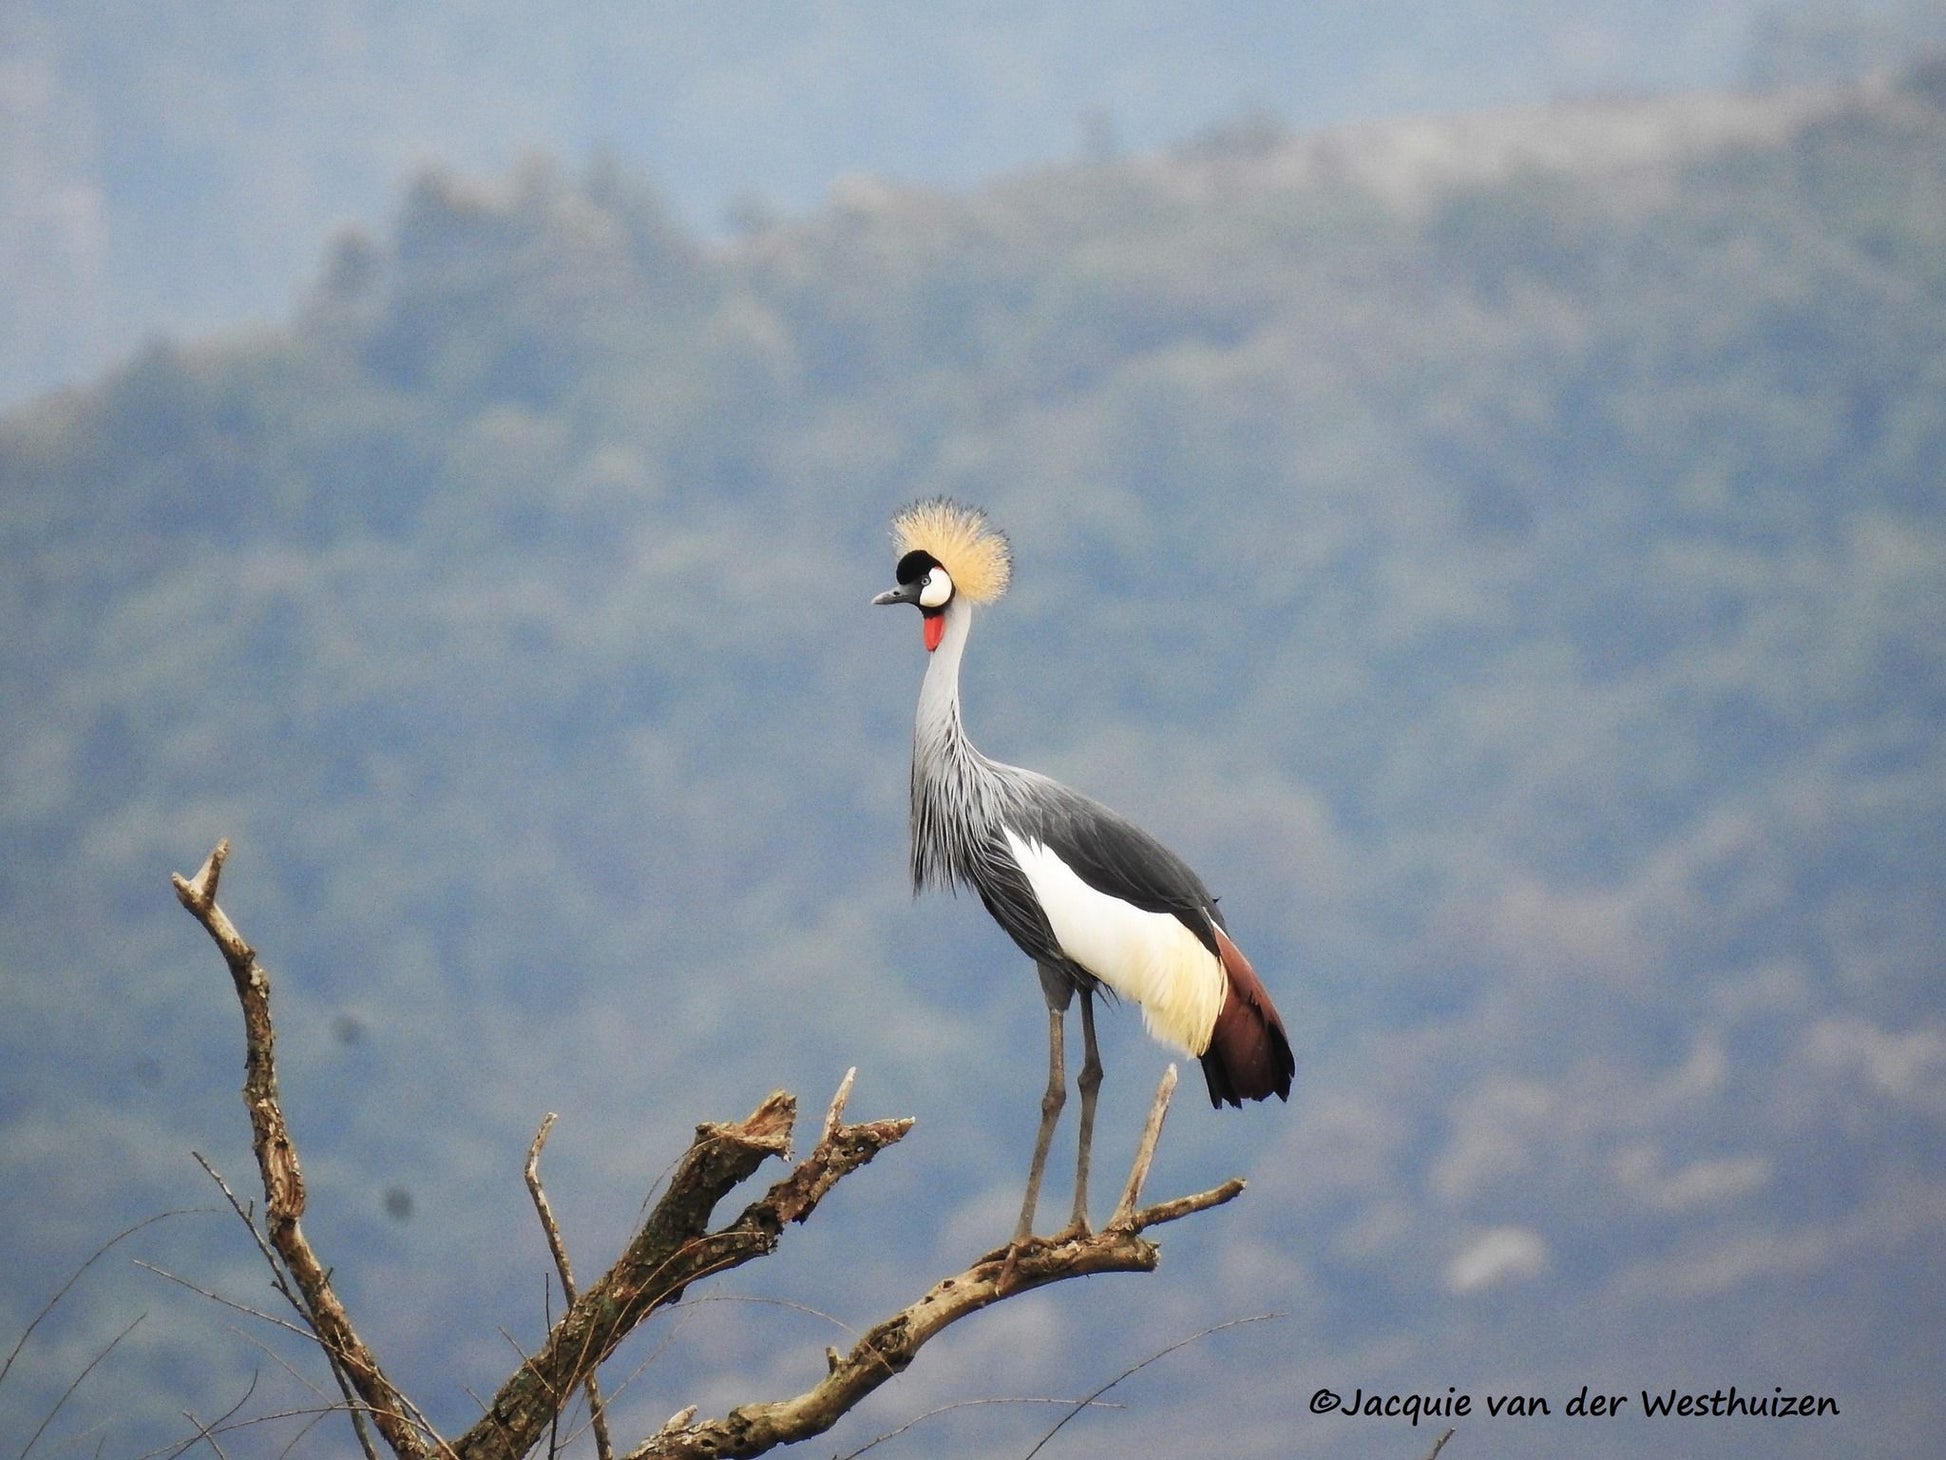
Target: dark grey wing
{"points": [[1113, 855], [1007, 895]]}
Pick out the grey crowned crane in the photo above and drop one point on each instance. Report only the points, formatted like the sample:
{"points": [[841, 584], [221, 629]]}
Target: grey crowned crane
{"points": [[1093, 899]]}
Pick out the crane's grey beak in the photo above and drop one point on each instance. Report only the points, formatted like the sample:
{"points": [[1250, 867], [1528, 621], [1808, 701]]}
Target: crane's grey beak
{"points": [[904, 593]]}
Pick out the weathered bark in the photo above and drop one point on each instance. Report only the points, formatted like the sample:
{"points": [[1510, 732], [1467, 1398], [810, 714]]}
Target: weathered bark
{"points": [[675, 1247], [284, 1195], [890, 1347]]}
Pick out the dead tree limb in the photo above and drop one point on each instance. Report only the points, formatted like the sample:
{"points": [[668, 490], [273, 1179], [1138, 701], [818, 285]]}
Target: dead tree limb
{"points": [[674, 1248], [284, 1195], [597, 1411], [889, 1348]]}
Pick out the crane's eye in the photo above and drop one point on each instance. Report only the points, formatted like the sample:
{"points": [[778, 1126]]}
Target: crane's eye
{"points": [[936, 590]]}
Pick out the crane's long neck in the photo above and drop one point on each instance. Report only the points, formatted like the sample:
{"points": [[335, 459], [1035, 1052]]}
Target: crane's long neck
{"points": [[938, 724], [956, 791]]}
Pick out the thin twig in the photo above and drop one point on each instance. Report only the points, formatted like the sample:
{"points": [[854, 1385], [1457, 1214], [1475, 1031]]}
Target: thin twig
{"points": [[548, 1226], [1138, 1172], [352, 1405], [1438, 1445], [75, 1276], [312, 1414], [231, 1303], [312, 1421], [682, 1312], [835, 1114], [327, 1407], [1137, 1368], [919, 1419], [1179, 1207], [207, 1432], [65, 1393], [280, 1280], [597, 1410], [283, 1363]]}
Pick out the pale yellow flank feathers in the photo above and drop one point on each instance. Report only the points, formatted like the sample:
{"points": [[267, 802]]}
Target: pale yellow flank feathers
{"points": [[972, 550]]}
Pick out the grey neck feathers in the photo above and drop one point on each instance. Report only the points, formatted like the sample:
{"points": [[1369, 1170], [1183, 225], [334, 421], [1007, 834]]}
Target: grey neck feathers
{"points": [[958, 794]]}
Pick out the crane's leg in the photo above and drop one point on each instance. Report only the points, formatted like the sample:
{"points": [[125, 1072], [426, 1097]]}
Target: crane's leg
{"points": [[1089, 1084], [1058, 991]]}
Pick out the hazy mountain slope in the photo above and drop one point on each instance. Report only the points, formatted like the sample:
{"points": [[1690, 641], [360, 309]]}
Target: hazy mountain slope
{"points": [[1511, 570], [169, 169]]}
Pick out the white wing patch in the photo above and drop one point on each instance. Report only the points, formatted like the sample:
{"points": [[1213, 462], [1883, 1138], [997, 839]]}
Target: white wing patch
{"points": [[1149, 957]]}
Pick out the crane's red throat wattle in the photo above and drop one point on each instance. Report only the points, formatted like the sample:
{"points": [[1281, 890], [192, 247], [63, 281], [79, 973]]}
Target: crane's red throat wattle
{"points": [[935, 630]]}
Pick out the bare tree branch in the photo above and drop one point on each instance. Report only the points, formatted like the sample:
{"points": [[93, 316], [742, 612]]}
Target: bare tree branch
{"points": [[281, 1282], [284, 1192], [597, 1411], [835, 1113], [1138, 1173], [674, 1247], [890, 1347]]}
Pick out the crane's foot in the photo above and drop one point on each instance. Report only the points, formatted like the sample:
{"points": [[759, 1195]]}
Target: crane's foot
{"points": [[1009, 1256], [1005, 1282]]}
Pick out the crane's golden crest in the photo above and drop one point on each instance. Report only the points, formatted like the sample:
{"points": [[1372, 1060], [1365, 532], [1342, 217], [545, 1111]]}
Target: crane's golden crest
{"points": [[972, 550]]}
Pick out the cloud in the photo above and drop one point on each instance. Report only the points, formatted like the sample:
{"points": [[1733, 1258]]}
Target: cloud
{"points": [[1495, 1256], [1499, 1130], [1908, 1068], [1639, 1169]]}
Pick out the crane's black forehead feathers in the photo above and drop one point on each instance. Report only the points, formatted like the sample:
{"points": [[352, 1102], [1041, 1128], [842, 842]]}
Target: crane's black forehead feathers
{"points": [[915, 565], [959, 539]]}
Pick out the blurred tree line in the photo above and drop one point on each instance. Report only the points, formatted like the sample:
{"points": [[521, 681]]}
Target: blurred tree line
{"points": [[1608, 495]]}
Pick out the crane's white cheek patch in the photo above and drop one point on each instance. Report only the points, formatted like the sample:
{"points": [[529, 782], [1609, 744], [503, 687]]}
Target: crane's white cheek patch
{"points": [[1148, 957]]}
